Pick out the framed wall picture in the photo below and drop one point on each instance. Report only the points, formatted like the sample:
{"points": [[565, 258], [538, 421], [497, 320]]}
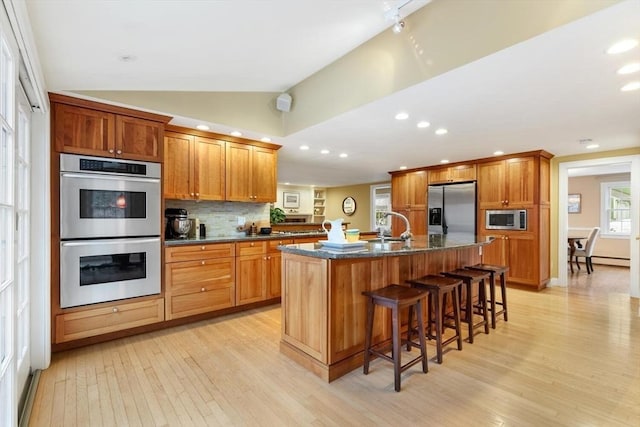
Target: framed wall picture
{"points": [[349, 205], [575, 203], [290, 200]]}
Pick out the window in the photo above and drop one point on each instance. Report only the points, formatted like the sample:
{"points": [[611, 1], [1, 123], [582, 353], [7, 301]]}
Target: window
{"points": [[615, 215], [380, 203]]}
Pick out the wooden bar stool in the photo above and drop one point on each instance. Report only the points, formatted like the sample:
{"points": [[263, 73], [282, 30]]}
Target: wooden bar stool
{"points": [[469, 278], [495, 270], [396, 298], [439, 287]]}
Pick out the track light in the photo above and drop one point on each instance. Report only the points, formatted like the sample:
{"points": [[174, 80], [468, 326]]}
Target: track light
{"points": [[399, 25], [394, 14]]}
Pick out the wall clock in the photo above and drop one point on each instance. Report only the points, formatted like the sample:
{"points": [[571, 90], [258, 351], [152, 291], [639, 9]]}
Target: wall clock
{"points": [[349, 205]]}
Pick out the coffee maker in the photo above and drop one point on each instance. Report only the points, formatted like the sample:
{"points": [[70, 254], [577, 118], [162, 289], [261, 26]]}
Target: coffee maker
{"points": [[178, 225]]}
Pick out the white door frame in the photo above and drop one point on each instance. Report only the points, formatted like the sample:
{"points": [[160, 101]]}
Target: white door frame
{"points": [[563, 216]]}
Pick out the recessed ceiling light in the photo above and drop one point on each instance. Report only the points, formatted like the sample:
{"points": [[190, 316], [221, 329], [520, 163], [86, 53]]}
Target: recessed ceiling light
{"points": [[633, 67], [343, 155], [202, 127], [441, 131], [402, 168], [304, 147], [324, 151], [622, 46], [498, 153], [236, 133], [423, 124], [592, 146], [444, 161], [265, 139], [630, 86], [402, 116]]}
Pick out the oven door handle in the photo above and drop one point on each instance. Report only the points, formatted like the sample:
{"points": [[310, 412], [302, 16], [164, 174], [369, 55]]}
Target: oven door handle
{"points": [[109, 242], [108, 177]]}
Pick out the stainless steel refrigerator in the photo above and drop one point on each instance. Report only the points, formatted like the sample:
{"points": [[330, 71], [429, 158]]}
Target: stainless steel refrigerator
{"points": [[452, 208]]}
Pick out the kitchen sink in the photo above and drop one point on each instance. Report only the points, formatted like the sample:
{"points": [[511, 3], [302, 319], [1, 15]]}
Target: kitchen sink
{"points": [[386, 240]]}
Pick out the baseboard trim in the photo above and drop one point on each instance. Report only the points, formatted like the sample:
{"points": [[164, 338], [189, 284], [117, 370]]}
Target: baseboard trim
{"points": [[25, 413]]}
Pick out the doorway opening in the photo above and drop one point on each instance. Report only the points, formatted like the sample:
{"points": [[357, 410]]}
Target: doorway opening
{"points": [[633, 165]]}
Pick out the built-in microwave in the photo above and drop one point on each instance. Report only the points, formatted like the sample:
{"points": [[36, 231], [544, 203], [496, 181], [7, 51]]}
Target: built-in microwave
{"points": [[506, 219]]}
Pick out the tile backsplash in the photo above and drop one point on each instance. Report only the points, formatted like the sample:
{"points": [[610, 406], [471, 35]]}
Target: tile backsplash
{"points": [[221, 218]]}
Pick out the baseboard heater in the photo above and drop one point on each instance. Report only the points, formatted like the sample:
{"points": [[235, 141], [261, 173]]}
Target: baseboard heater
{"points": [[611, 257]]}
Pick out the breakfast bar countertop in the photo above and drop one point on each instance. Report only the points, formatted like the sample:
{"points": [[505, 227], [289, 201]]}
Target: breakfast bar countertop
{"points": [[376, 248]]}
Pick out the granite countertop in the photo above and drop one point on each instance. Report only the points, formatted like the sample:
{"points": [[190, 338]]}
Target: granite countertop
{"points": [[375, 248], [241, 237]]}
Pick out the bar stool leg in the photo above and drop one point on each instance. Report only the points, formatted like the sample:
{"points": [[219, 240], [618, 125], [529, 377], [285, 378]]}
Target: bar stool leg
{"points": [[469, 309], [438, 314], [395, 325], [367, 339], [423, 341], [482, 294], [492, 295], [503, 291]]}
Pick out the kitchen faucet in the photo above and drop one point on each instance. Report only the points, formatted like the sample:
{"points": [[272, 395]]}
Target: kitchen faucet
{"points": [[406, 234]]}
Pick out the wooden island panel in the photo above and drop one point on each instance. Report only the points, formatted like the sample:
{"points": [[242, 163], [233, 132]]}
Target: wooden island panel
{"points": [[324, 311]]}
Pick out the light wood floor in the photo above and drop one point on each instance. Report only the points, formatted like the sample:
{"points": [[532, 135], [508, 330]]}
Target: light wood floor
{"points": [[566, 357]]}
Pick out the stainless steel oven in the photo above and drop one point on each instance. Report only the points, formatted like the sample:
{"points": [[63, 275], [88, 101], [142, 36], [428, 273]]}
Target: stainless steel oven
{"points": [[102, 197], [99, 270], [110, 225]]}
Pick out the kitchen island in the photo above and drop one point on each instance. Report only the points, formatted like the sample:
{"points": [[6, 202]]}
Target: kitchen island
{"points": [[323, 309]]}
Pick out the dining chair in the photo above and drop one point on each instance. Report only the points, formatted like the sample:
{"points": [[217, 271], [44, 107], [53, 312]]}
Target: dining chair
{"points": [[587, 251]]}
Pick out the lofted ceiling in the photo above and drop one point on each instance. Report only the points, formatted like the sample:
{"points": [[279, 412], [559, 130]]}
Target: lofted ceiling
{"points": [[550, 92]]}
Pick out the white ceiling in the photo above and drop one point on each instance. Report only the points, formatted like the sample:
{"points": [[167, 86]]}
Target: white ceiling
{"points": [[546, 93]]}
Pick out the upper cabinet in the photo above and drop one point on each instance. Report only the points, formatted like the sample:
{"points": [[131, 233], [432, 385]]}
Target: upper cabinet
{"points": [[95, 129], [409, 189], [509, 183], [458, 173], [251, 173], [194, 167]]}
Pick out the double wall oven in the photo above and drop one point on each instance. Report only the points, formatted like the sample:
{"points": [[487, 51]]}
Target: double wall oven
{"points": [[110, 225]]}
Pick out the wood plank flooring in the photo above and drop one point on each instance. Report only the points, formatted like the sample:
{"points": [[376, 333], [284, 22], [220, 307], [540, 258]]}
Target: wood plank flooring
{"points": [[566, 357]]}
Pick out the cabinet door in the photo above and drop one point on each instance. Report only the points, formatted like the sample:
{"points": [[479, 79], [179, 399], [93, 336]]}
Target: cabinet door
{"points": [[209, 168], [400, 191], [495, 253], [139, 139], [523, 259], [274, 284], [83, 131], [264, 174], [438, 176], [418, 189], [491, 185], [177, 179], [238, 172], [462, 173], [520, 178], [251, 279], [409, 189]]}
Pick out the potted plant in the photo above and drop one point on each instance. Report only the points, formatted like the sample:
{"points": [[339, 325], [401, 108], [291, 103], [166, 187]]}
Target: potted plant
{"points": [[277, 215]]}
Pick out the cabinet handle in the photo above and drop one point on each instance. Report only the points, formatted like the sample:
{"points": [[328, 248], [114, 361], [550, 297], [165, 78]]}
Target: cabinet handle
{"points": [[192, 194], [111, 151], [252, 244], [197, 194], [115, 309], [202, 262], [202, 248], [202, 289], [506, 202], [119, 151]]}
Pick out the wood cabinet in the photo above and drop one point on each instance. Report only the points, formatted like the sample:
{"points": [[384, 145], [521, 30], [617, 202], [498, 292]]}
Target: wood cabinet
{"points": [[274, 260], [105, 319], [408, 197], [194, 167], [251, 173], [95, 129], [509, 183], [457, 173], [199, 279], [516, 250]]}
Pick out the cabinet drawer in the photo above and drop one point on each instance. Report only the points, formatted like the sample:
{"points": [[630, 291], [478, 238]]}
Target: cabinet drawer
{"points": [[200, 302], [251, 248], [102, 320], [273, 244], [195, 276], [198, 252]]}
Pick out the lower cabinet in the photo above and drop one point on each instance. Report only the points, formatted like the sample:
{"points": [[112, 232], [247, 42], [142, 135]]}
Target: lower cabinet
{"points": [[102, 320], [202, 280], [518, 251]]}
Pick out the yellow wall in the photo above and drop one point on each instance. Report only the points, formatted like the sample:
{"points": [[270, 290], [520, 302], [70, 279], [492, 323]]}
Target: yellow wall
{"points": [[362, 194], [555, 162]]}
